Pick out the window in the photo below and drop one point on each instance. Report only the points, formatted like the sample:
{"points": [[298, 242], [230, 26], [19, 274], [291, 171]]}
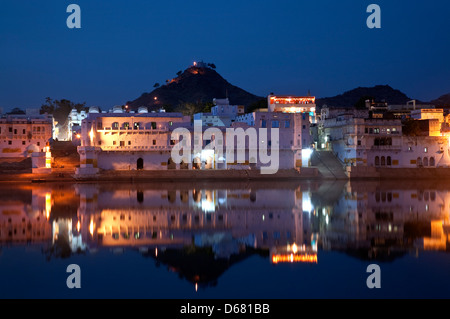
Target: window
{"points": [[383, 161], [122, 143], [287, 124], [377, 161], [9, 142], [136, 125], [419, 161], [38, 143], [115, 125], [263, 123], [23, 142], [15, 131], [154, 142], [389, 161], [170, 123], [425, 150], [153, 125], [129, 142], [23, 131], [275, 124], [114, 143], [303, 126], [359, 142], [10, 129], [126, 125], [425, 161], [432, 162]]}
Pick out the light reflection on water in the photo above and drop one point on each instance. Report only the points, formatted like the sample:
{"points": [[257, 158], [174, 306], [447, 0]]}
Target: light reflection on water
{"points": [[225, 239]]}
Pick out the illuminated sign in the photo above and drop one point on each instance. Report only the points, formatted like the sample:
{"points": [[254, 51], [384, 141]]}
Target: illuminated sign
{"points": [[292, 99], [294, 258]]}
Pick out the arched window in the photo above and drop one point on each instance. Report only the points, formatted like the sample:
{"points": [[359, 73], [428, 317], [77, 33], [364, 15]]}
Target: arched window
{"points": [[425, 161], [432, 163], [419, 161], [140, 163], [377, 161], [389, 161], [383, 161]]}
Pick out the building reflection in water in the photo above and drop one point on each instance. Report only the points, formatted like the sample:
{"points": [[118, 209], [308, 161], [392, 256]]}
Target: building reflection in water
{"points": [[201, 232]]}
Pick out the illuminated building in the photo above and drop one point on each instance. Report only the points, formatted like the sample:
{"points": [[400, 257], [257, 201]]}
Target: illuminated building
{"points": [[292, 104], [121, 141], [21, 135]]}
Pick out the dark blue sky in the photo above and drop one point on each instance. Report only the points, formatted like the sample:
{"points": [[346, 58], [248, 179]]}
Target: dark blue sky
{"points": [[263, 46]]}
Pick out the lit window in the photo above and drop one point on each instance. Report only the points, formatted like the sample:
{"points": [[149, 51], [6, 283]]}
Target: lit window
{"points": [[425, 150]]}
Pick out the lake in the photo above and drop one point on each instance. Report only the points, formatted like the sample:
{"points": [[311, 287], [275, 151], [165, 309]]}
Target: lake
{"points": [[219, 240]]}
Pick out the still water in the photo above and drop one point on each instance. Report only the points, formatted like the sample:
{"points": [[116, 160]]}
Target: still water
{"points": [[276, 240]]}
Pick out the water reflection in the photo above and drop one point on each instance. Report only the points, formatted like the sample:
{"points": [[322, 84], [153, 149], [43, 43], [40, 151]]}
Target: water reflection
{"points": [[200, 231]]}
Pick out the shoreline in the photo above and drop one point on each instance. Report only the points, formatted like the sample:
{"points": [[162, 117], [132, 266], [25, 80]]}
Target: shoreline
{"points": [[305, 174]]}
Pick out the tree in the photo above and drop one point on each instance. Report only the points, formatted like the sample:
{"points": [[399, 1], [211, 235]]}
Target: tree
{"points": [[212, 65], [260, 104], [156, 85], [179, 73], [60, 109]]}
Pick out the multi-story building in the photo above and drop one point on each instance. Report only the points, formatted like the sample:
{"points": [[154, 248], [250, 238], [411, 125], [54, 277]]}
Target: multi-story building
{"points": [[21, 135], [222, 113], [380, 143], [144, 141]]}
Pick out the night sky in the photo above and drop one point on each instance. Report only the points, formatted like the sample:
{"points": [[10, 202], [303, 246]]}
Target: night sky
{"points": [[263, 46]]}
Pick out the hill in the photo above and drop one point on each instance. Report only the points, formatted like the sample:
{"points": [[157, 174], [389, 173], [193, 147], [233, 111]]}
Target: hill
{"points": [[196, 85], [352, 97], [442, 101]]}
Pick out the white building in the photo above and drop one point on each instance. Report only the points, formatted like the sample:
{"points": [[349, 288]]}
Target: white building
{"points": [[144, 141], [380, 143], [222, 113], [21, 135]]}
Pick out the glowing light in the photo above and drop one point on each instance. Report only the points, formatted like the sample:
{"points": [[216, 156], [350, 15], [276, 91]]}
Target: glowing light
{"points": [[283, 258], [294, 248], [48, 205], [91, 227], [306, 203], [78, 136], [155, 98], [196, 287], [78, 226], [156, 251]]}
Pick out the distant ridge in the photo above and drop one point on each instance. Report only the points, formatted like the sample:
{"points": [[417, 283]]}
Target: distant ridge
{"points": [[195, 85], [443, 100], [378, 92]]}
